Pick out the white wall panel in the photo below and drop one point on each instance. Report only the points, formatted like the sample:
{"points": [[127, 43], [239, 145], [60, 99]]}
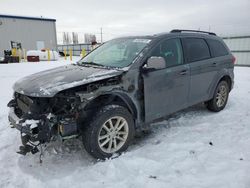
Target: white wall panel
{"points": [[240, 47]]}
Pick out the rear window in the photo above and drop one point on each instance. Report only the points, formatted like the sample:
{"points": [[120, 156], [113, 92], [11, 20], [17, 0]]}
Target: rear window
{"points": [[217, 48], [196, 49]]}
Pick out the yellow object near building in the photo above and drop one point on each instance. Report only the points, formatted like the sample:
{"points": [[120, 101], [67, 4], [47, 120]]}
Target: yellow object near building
{"points": [[70, 54], [83, 52], [24, 55], [13, 51], [48, 54], [20, 54], [65, 54]]}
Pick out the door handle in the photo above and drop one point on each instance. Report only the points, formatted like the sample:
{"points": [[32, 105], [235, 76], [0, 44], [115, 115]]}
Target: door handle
{"points": [[214, 64], [183, 72]]}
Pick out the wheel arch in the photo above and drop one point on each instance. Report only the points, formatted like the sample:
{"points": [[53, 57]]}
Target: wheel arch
{"points": [[225, 77], [113, 98], [228, 79]]}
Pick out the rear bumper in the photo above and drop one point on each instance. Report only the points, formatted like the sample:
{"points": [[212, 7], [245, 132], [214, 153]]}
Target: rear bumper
{"points": [[232, 85]]}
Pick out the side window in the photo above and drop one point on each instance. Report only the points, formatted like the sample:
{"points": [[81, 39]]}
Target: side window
{"points": [[171, 51], [217, 48], [196, 49]]}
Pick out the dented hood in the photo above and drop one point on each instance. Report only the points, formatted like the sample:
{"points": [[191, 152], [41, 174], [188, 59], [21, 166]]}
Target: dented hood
{"points": [[50, 82]]}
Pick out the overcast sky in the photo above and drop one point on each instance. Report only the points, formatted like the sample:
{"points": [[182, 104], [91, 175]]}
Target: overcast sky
{"points": [[137, 17]]}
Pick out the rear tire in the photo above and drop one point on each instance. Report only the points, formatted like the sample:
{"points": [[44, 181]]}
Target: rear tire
{"points": [[110, 130], [219, 100]]}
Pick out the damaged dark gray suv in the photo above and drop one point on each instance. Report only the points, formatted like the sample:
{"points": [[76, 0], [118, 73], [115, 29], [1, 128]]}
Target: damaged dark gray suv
{"points": [[121, 87]]}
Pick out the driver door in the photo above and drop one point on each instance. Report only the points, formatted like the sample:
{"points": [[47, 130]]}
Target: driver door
{"points": [[166, 90]]}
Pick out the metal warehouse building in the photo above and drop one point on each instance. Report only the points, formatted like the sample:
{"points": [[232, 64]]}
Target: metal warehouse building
{"points": [[33, 33], [240, 47]]}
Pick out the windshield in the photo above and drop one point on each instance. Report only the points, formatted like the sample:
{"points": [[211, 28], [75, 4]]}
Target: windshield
{"points": [[116, 53]]}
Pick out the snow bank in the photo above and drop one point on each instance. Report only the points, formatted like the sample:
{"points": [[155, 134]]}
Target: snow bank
{"points": [[194, 148]]}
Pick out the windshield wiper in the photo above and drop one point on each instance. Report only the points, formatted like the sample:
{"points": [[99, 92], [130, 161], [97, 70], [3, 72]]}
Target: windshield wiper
{"points": [[88, 63]]}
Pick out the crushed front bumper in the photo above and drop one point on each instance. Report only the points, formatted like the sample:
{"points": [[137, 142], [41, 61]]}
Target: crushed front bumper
{"points": [[32, 135], [16, 122], [37, 132]]}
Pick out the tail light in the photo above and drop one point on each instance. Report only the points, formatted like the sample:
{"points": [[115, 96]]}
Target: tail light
{"points": [[233, 60]]}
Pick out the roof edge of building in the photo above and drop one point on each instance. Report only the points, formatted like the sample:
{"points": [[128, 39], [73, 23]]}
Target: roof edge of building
{"points": [[27, 17]]}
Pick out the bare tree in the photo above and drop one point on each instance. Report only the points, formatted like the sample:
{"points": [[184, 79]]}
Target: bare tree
{"points": [[66, 38], [89, 38], [75, 38]]}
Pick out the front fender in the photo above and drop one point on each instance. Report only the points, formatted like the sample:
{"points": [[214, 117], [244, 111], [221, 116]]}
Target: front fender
{"points": [[129, 102], [111, 92]]}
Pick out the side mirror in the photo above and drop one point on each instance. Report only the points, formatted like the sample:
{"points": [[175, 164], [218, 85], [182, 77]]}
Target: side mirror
{"points": [[155, 63]]}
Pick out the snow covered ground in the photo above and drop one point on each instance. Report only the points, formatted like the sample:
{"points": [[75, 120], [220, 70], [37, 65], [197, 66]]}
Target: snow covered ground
{"points": [[194, 148]]}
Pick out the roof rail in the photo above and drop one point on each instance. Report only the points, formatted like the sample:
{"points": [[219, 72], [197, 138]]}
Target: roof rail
{"points": [[186, 30]]}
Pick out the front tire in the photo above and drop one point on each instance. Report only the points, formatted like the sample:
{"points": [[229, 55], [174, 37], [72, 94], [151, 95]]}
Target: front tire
{"points": [[219, 100], [109, 131]]}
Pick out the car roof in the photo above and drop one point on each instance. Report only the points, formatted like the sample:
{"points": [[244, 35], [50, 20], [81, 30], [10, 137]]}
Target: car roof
{"points": [[176, 34], [186, 34]]}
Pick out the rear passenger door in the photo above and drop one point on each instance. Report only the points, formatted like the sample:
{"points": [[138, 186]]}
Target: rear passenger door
{"points": [[202, 69]]}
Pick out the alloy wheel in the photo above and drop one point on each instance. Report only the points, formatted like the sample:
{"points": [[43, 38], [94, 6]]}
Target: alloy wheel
{"points": [[221, 96], [113, 134]]}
